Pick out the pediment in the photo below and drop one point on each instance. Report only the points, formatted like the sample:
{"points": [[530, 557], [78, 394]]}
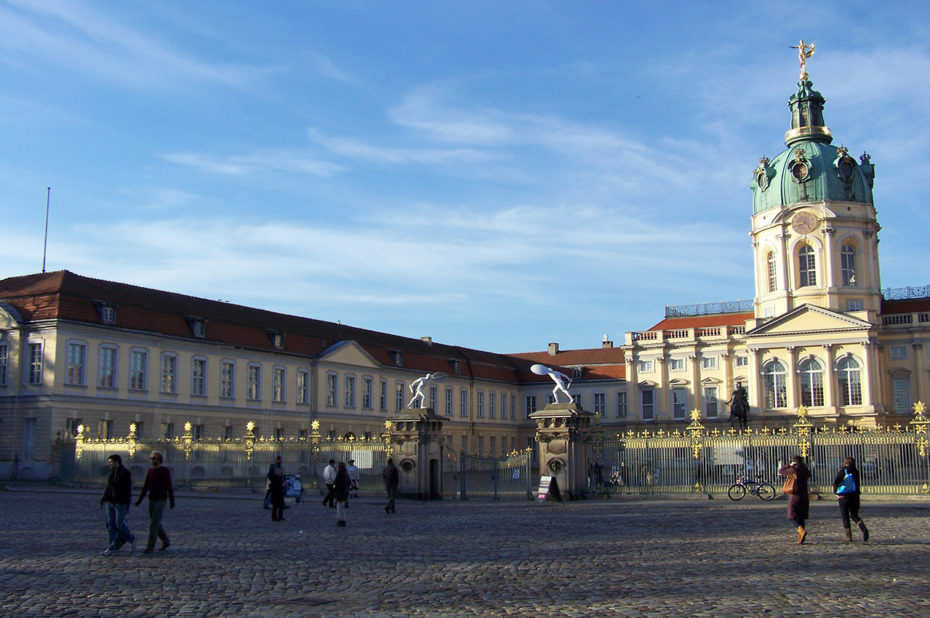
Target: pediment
{"points": [[9, 316], [348, 352], [809, 319]]}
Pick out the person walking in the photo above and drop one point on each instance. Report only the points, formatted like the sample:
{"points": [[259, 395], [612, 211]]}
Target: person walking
{"points": [[276, 489], [117, 497], [353, 478], [848, 488], [391, 481], [158, 486], [329, 477], [799, 499], [341, 486]]}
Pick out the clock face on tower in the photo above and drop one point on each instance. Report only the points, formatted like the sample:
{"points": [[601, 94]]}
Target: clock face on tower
{"points": [[804, 222]]}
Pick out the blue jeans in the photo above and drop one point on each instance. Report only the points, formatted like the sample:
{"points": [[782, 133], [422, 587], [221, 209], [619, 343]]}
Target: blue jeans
{"points": [[117, 528]]}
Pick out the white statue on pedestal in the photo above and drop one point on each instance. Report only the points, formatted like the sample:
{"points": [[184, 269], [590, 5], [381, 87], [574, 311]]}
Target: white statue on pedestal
{"points": [[562, 381], [418, 385]]}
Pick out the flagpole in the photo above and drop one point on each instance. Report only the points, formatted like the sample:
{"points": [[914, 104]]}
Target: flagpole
{"points": [[48, 197]]}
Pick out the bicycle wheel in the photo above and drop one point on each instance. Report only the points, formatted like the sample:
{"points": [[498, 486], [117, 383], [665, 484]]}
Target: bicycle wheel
{"points": [[736, 492], [766, 491]]}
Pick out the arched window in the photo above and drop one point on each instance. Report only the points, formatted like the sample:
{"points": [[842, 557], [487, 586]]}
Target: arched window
{"points": [[807, 266], [811, 383], [773, 379], [848, 377], [848, 264], [770, 267]]}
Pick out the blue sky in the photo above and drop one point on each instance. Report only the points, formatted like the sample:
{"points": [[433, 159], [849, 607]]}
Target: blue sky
{"points": [[495, 175]]}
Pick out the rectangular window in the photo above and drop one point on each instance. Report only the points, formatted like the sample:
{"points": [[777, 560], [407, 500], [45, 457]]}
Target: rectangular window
{"points": [[332, 387], [600, 403], [199, 377], [464, 443], [854, 304], [479, 405], [709, 362], [463, 403], [899, 352], [399, 396], [35, 363], [679, 403], [105, 429], [278, 384], [621, 404], [349, 392], [228, 380], [4, 363], [480, 445], [167, 431], [711, 404], [646, 366], [255, 383], [433, 398], [138, 359], [742, 361], [648, 406], [530, 404], [449, 401], [169, 374], [902, 394], [493, 445], [77, 364], [676, 364], [382, 396], [106, 367], [492, 406], [513, 407], [303, 386], [367, 385]]}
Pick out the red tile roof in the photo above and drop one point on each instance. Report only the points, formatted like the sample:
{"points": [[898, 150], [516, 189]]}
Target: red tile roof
{"points": [[704, 321], [64, 295]]}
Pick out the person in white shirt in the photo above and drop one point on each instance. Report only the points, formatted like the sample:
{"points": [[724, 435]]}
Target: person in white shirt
{"points": [[329, 479]]}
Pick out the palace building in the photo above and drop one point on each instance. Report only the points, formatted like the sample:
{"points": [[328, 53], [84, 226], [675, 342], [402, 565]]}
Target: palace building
{"points": [[819, 333]]}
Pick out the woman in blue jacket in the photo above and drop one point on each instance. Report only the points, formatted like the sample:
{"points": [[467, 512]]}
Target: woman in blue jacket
{"points": [[847, 487]]}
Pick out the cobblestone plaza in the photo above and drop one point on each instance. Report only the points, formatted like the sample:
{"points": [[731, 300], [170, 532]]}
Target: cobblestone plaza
{"points": [[624, 556]]}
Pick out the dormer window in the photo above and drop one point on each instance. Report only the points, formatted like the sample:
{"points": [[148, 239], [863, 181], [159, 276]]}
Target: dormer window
{"points": [[107, 312], [576, 372], [398, 357], [456, 366], [198, 326], [277, 339]]}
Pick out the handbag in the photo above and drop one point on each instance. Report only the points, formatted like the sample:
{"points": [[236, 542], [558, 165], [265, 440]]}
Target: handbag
{"points": [[847, 486], [791, 485]]}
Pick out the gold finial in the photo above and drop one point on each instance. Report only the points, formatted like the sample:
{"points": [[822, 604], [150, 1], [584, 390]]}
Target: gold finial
{"points": [[805, 51]]}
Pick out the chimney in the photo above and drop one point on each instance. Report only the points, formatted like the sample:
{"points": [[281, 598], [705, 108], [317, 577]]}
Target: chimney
{"points": [[553, 349], [428, 340], [606, 342]]}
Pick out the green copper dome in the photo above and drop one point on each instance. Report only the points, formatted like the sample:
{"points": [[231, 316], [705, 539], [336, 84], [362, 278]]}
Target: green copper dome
{"points": [[811, 169]]}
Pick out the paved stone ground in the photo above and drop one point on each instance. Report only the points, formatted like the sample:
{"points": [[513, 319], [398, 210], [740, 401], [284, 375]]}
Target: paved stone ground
{"points": [[620, 557]]}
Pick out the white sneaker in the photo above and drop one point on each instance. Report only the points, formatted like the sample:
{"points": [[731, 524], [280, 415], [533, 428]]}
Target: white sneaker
{"points": [[107, 551]]}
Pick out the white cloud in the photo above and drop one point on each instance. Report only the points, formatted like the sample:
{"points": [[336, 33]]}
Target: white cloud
{"points": [[261, 161]]}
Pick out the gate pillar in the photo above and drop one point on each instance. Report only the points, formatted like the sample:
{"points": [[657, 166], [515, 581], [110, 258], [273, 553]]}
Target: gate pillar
{"points": [[561, 432], [417, 446]]}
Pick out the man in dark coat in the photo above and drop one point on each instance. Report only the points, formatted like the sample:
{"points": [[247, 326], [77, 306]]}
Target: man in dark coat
{"points": [[117, 497], [341, 487], [391, 481]]}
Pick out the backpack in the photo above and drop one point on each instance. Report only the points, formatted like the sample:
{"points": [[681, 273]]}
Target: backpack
{"points": [[848, 485]]}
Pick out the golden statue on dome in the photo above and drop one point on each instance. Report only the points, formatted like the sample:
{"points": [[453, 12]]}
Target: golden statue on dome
{"points": [[805, 51]]}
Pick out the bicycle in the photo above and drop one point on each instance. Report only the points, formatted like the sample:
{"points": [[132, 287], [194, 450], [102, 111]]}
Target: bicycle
{"points": [[761, 489]]}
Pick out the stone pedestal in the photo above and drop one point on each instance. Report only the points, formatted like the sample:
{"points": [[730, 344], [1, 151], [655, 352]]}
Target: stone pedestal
{"points": [[418, 450], [561, 432]]}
